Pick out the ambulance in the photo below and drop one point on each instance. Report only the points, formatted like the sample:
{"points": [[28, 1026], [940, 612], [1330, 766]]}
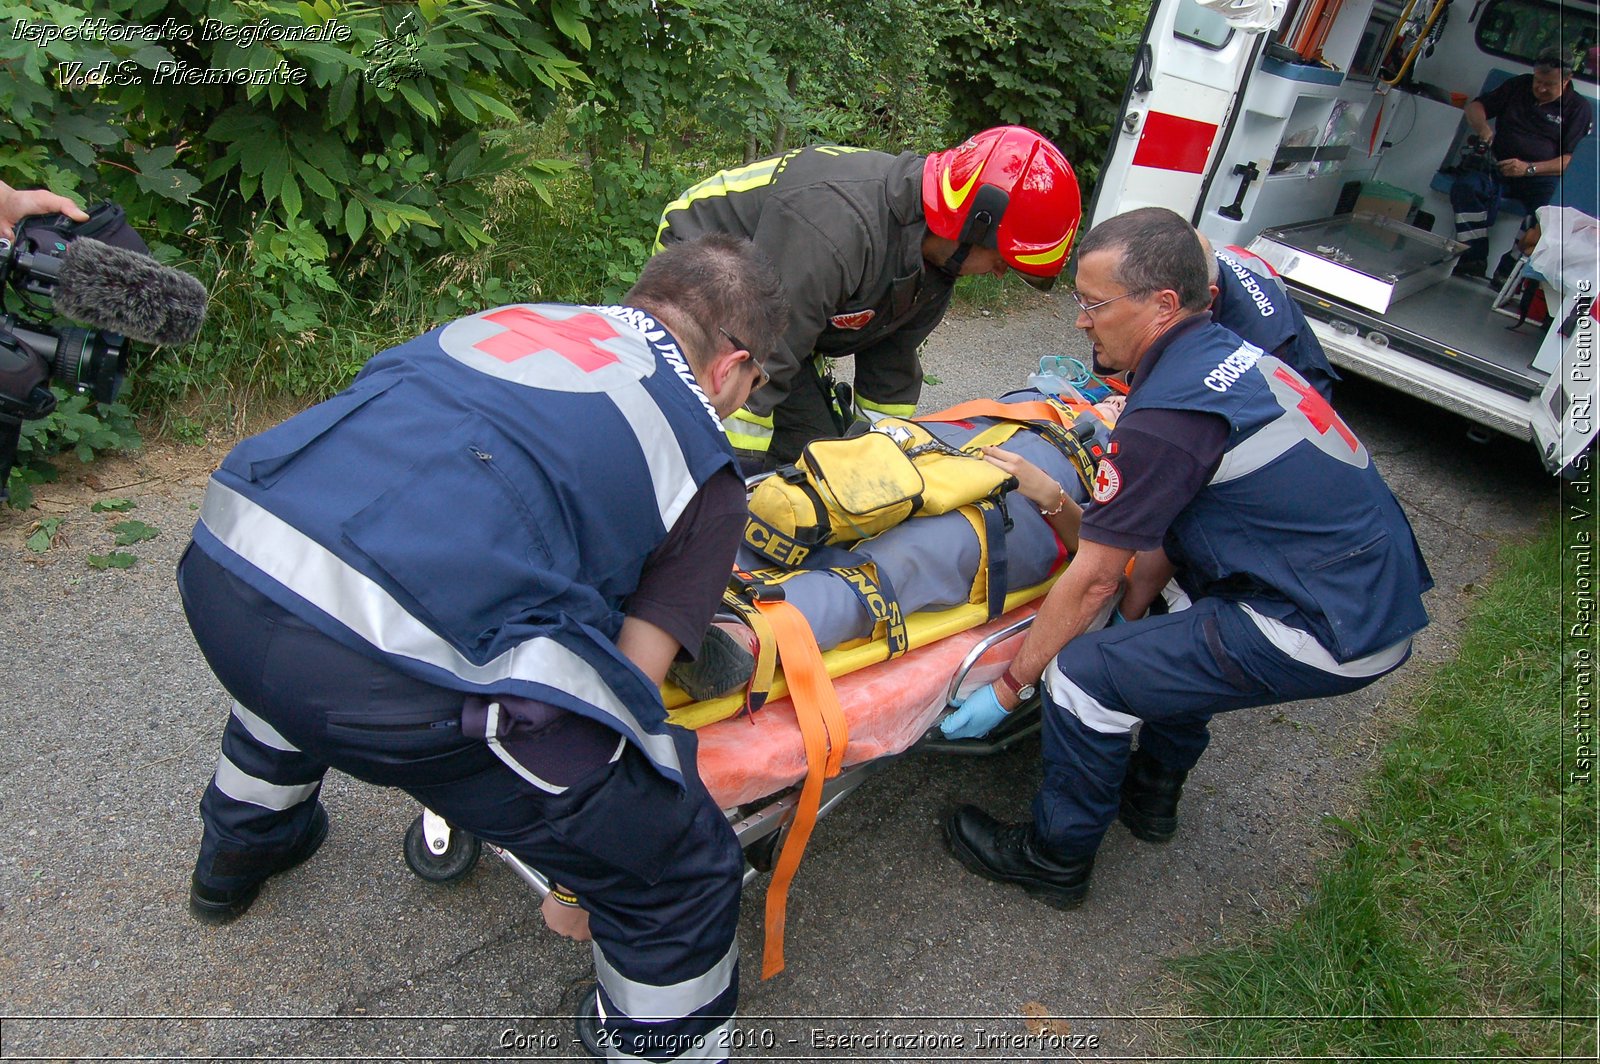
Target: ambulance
{"points": [[1323, 136]]}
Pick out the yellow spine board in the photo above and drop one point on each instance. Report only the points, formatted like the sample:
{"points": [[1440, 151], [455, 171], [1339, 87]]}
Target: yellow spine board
{"points": [[928, 626]]}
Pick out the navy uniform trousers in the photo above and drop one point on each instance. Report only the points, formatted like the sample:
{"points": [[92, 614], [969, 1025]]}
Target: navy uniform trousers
{"points": [[1171, 672], [657, 867], [1475, 198]]}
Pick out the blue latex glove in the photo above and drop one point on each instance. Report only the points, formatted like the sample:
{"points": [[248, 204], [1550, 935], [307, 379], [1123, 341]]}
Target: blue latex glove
{"points": [[974, 717]]}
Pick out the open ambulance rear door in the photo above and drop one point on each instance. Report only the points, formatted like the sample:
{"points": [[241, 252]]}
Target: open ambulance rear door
{"points": [[1188, 77], [1566, 415]]}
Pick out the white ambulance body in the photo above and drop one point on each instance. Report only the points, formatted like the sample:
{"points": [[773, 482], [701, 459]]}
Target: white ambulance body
{"points": [[1321, 135]]}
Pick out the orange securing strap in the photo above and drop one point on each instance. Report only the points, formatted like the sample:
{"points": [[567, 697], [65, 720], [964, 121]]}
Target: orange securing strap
{"points": [[825, 734], [1034, 411]]}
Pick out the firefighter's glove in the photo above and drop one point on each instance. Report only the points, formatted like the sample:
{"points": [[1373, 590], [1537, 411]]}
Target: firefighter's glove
{"points": [[975, 716]]}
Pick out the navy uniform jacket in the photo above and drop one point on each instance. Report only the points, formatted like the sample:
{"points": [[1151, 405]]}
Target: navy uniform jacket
{"points": [[1262, 313], [474, 508], [1296, 521]]}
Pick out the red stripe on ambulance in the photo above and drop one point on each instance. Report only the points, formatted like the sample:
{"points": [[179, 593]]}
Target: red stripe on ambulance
{"points": [[1171, 142]]}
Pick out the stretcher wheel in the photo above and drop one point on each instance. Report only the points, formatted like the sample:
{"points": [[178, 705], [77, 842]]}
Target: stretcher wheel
{"points": [[763, 853], [460, 855]]}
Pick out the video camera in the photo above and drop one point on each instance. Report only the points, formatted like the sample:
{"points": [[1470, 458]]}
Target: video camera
{"points": [[98, 272]]}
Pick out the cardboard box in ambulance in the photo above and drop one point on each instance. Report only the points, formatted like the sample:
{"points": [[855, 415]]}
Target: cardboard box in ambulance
{"points": [[1324, 135]]}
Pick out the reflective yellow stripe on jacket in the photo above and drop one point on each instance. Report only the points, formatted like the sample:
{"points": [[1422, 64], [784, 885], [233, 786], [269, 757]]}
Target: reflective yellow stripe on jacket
{"points": [[739, 179], [749, 432]]}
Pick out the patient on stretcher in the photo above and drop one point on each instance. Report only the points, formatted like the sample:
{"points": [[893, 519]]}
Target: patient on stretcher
{"points": [[929, 563]]}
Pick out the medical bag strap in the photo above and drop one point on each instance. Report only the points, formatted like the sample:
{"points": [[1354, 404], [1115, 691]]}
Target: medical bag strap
{"points": [[1051, 417], [825, 735]]}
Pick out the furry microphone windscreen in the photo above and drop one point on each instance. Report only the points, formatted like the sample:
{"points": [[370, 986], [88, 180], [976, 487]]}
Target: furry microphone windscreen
{"points": [[123, 291]]}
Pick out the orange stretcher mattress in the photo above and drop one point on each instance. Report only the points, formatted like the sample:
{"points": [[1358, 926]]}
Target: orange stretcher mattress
{"points": [[888, 706]]}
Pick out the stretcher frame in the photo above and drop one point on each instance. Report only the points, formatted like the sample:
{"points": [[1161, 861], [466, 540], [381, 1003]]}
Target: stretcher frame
{"points": [[760, 826]]}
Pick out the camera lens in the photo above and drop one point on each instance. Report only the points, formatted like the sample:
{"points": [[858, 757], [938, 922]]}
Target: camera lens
{"points": [[87, 360]]}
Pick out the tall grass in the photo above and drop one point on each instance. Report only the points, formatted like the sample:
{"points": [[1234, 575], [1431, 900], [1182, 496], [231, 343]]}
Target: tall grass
{"points": [[1466, 889]]}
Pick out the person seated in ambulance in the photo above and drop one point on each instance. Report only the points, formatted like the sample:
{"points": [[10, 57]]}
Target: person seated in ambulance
{"points": [[1539, 120], [1228, 471], [869, 247]]}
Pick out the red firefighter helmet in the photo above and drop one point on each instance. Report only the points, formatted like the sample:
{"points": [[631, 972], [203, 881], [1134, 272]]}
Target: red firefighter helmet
{"points": [[1010, 189]]}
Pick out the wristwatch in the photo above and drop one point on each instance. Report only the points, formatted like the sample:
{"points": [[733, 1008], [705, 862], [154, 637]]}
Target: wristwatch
{"points": [[1022, 692], [1533, 168]]}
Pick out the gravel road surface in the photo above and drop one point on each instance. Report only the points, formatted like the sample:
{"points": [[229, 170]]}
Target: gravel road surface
{"points": [[110, 722]]}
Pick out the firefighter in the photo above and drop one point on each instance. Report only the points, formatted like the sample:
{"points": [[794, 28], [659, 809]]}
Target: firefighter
{"points": [[869, 247], [466, 576], [1229, 471]]}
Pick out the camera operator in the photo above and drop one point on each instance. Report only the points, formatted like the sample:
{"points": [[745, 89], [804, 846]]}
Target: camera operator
{"points": [[17, 204], [90, 267]]}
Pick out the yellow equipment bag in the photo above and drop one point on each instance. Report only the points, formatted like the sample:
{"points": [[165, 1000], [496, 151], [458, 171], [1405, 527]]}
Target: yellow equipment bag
{"points": [[842, 491]]}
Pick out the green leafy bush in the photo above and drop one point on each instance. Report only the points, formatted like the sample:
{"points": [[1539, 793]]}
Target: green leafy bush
{"points": [[1059, 68], [78, 425], [355, 122]]}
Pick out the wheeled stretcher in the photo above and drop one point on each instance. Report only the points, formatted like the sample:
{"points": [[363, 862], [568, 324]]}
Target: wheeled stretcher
{"points": [[776, 770]]}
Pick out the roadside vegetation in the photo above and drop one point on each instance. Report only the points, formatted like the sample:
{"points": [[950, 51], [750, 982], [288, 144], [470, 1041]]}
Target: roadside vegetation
{"points": [[1459, 921], [408, 163]]}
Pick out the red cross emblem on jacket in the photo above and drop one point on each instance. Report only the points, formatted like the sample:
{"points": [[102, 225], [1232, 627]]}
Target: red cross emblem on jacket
{"points": [[528, 332]]}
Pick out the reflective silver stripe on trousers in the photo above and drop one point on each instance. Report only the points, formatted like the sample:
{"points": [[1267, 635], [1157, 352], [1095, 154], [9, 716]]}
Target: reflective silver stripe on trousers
{"points": [[243, 787], [734, 425], [715, 1044], [262, 732], [645, 1003], [1078, 702], [1302, 647], [317, 575]]}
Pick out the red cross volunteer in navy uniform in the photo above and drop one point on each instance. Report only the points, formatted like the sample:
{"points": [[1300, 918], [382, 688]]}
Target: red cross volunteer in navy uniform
{"points": [[869, 246], [1297, 573], [466, 576]]}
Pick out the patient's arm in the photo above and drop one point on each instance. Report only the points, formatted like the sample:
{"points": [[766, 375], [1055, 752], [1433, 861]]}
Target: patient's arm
{"points": [[1151, 571], [1040, 488]]}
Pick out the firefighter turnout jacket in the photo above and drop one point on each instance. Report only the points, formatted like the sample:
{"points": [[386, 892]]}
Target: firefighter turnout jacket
{"points": [[844, 228]]}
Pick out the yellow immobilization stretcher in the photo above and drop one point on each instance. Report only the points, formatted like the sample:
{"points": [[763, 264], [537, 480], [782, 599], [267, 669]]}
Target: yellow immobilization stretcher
{"points": [[817, 719]]}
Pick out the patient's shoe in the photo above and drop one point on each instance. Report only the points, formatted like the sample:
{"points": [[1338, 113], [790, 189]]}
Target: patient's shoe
{"points": [[216, 905], [1013, 853], [727, 661]]}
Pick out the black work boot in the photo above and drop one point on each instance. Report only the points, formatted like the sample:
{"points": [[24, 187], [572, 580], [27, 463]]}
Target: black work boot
{"points": [[1012, 853], [1150, 794], [213, 905]]}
